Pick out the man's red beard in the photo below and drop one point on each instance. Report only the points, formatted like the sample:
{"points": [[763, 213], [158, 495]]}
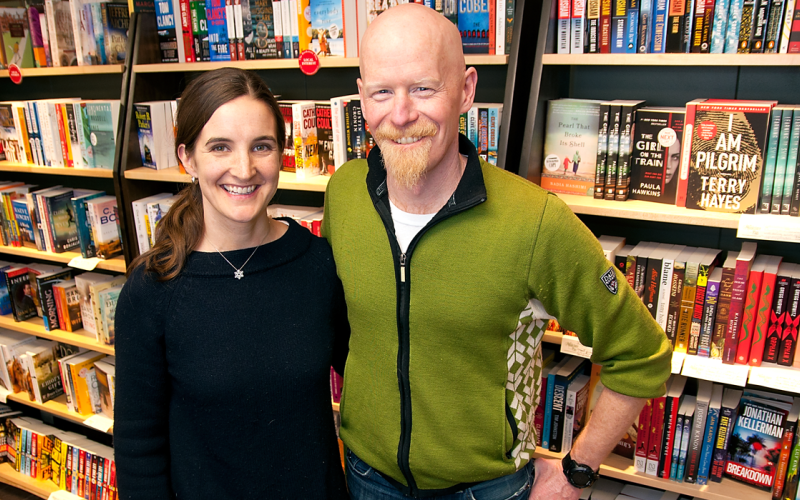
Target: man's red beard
{"points": [[406, 164]]}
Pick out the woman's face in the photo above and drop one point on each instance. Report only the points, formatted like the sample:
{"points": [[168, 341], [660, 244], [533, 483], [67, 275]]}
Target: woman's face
{"points": [[236, 161]]}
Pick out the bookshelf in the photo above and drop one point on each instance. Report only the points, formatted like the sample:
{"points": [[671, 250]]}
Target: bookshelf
{"points": [[617, 467], [35, 326], [42, 489], [287, 180], [663, 80], [116, 264], [100, 173], [56, 407], [110, 69]]}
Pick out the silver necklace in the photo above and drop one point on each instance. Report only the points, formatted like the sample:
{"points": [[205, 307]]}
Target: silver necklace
{"points": [[239, 274]]}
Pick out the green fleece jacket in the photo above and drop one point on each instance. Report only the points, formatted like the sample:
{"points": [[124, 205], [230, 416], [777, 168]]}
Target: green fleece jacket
{"points": [[443, 373]]}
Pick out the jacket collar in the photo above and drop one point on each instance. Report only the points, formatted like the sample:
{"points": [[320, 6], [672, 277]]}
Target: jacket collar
{"points": [[470, 191]]}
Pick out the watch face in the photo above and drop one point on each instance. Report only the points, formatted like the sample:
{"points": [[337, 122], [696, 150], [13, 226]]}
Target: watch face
{"points": [[581, 479]]}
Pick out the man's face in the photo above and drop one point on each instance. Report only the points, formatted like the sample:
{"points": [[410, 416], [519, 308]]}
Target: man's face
{"points": [[411, 99]]}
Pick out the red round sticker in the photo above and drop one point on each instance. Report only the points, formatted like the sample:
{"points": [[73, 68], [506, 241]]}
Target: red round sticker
{"points": [[309, 62], [15, 73], [707, 130]]}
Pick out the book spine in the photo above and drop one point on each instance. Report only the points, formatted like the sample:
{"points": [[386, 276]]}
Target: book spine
{"points": [[790, 183], [548, 411], [670, 418], [783, 460], [782, 162], [654, 440], [745, 339], [790, 488], [593, 26], [792, 324], [564, 16], [658, 38], [605, 26], [696, 442], [707, 324], [697, 309], [746, 26], [726, 418], [738, 293], [619, 20], [642, 437], [758, 32], [686, 153], [768, 175], [577, 26], [762, 319], [625, 150], [772, 39], [644, 38], [704, 468], [632, 26], [723, 308], [674, 37], [602, 150], [664, 289], [613, 151], [676, 447], [558, 414], [675, 300], [775, 340], [684, 451]]}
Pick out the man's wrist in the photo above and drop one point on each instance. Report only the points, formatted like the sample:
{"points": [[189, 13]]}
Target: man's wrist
{"points": [[578, 475]]}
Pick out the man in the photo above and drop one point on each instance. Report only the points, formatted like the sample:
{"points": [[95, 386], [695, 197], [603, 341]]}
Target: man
{"points": [[450, 267]]}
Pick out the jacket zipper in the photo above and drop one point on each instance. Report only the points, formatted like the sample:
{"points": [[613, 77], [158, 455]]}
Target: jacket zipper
{"points": [[403, 294]]}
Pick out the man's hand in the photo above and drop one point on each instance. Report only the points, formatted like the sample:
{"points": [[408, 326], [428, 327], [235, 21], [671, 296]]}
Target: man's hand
{"points": [[551, 483]]}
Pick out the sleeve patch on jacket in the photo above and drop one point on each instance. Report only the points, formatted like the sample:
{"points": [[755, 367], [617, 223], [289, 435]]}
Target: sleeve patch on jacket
{"points": [[609, 279]]}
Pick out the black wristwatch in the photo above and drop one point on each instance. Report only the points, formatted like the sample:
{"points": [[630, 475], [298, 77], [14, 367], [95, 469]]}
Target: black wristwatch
{"points": [[578, 475]]}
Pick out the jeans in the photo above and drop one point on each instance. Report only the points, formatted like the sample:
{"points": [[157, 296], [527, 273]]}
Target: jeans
{"points": [[365, 483]]}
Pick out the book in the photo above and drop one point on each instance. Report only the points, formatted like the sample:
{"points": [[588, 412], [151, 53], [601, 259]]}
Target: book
{"points": [[304, 131], [679, 449], [197, 11], [548, 411], [672, 404], [761, 323], [688, 295], [116, 21], [702, 401], [105, 370], [11, 372], [83, 379], [105, 227], [70, 300], [790, 201], [756, 437], [793, 318], [168, 43], [710, 434], [709, 313], [643, 436], [656, 154], [652, 277], [21, 293], [83, 222], [656, 430], [107, 300], [218, 32], [43, 369], [45, 282], [744, 262], [628, 109], [570, 150], [704, 267], [575, 410], [789, 431], [781, 163], [771, 158], [602, 149], [727, 153], [777, 317], [563, 377], [723, 306], [156, 134], [676, 293], [103, 124], [752, 293], [83, 282], [60, 33]]}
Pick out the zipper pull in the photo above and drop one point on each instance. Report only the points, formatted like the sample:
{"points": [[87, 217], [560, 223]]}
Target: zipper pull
{"points": [[402, 267]]}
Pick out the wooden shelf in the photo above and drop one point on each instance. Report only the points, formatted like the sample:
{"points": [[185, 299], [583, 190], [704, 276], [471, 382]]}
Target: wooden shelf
{"points": [[103, 173], [116, 264], [621, 468], [288, 180], [645, 210], [671, 59], [57, 407], [69, 70], [42, 489], [325, 62], [35, 326]]}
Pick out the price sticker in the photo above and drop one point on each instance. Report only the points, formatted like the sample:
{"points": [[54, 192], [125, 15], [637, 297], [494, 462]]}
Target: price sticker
{"points": [[677, 361], [63, 495], [99, 422], [309, 62], [14, 73], [778, 377], [713, 370], [84, 264], [769, 227], [571, 345]]}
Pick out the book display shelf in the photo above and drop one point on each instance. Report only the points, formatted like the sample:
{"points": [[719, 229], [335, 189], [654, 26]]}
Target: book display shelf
{"points": [[87, 82], [666, 80]]}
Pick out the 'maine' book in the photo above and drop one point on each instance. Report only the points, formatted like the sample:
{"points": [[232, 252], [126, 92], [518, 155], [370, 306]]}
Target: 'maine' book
{"points": [[728, 147]]}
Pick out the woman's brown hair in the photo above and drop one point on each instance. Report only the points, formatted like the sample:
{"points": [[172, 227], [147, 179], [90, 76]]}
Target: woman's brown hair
{"points": [[179, 231]]}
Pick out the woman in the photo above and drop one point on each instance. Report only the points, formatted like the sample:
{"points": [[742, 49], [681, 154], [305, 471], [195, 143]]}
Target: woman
{"points": [[222, 357]]}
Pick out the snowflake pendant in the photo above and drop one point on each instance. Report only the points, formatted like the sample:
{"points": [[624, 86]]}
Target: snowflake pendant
{"points": [[238, 274]]}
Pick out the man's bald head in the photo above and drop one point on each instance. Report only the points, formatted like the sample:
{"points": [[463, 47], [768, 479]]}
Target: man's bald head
{"points": [[413, 30]]}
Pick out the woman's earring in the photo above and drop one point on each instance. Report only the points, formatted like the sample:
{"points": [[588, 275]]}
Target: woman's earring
{"points": [[194, 179]]}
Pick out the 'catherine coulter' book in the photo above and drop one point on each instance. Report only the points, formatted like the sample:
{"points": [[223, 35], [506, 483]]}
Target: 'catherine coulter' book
{"points": [[728, 146], [755, 442], [570, 147]]}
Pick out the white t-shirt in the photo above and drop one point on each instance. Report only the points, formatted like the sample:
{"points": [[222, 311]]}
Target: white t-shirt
{"points": [[407, 225]]}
